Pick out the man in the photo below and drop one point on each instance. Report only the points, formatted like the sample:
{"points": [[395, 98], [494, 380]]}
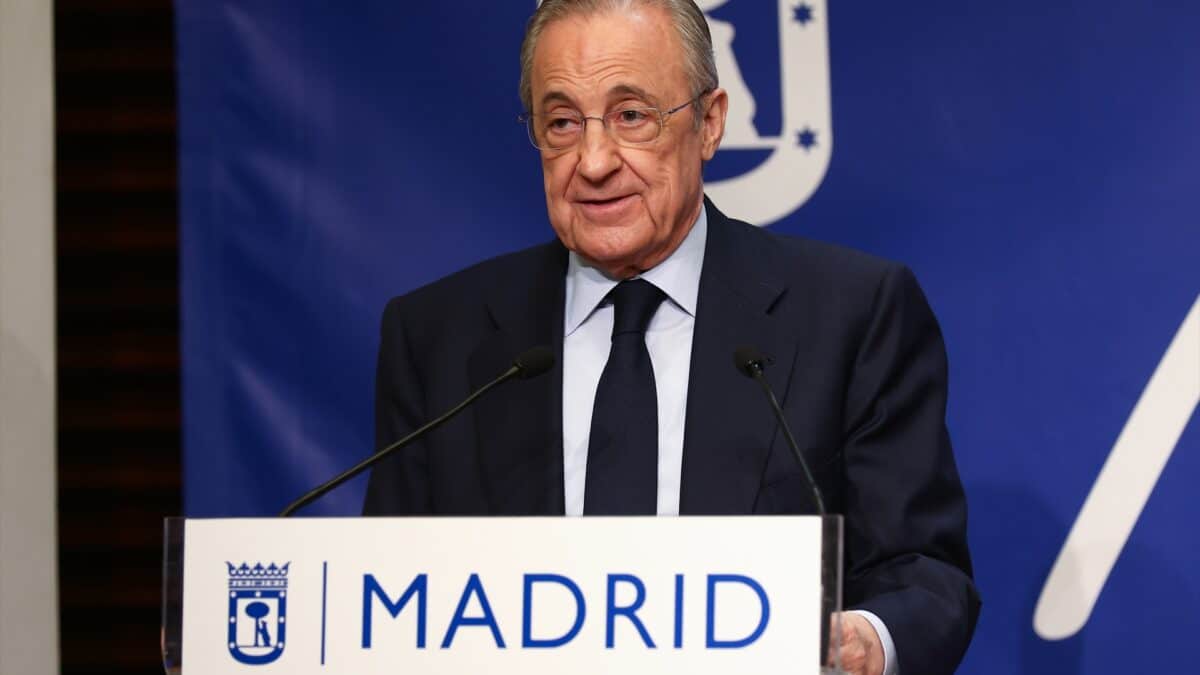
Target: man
{"points": [[645, 295]]}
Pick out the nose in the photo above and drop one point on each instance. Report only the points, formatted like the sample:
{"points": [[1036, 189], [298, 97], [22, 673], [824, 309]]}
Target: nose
{"points": [[599, 157]]}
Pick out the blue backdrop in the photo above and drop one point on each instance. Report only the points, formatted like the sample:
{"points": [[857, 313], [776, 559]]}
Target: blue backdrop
{"points": [[1035, 163]]}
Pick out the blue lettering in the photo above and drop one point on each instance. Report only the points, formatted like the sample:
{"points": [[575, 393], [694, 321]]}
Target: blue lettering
{"points": [[527, 639], [629, 612], [473, 587], [710, 639], [371, 588]]}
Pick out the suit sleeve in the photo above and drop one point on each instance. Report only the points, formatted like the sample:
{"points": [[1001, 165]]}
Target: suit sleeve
{"points": [[399, 485], [906, 542]]}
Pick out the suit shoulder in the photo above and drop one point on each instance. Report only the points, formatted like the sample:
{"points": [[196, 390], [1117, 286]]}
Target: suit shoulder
{"points": [[807, 259], [841, 285]]}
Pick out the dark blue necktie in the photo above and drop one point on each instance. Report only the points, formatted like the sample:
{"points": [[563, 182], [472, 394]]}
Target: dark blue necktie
{"points": [[622, 460]]}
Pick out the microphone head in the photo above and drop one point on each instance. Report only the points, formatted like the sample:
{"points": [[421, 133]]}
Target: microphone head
{"points": [[749, 361], [534, 362]]}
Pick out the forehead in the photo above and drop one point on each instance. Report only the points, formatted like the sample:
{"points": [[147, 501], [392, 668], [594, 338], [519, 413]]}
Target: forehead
{"points": [[584, 58]]}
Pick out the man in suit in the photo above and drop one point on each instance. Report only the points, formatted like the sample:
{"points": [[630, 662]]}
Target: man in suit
{"points": [[644, 295]]}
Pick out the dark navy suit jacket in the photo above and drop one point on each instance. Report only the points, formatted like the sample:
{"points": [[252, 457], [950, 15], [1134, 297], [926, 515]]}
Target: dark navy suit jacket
{"points": [[859, 366]]}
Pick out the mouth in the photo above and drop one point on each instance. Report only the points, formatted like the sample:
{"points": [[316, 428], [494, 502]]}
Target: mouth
{"points": [[606, 207]]}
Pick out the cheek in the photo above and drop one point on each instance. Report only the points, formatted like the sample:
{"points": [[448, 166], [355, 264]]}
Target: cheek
{"points": [[657, 177], [561, 173], [556, 177], [667, 183]]}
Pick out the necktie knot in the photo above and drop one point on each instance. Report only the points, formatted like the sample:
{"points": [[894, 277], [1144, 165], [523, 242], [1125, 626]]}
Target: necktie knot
{"points": [[634, 304]]}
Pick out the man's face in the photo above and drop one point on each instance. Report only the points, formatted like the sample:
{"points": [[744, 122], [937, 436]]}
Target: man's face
{"points": [[623, 209]]}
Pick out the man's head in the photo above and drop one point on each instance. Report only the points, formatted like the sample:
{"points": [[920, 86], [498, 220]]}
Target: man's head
{"points": [[622, 202]]}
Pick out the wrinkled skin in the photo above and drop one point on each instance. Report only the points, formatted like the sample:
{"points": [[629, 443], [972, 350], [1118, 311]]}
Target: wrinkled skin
{"points": [[623, 209]]}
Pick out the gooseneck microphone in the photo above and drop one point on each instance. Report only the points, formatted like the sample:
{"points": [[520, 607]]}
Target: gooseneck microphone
{"points": [[750, 362], [529, 364]]}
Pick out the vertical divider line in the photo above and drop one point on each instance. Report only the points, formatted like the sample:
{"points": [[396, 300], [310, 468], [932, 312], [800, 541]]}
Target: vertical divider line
{"points": [[324, 594]]}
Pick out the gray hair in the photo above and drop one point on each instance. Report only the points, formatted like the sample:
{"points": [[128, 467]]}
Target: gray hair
{"points": [[700, 64]]}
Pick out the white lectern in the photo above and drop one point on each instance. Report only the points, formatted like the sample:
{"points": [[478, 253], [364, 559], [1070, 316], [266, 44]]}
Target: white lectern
{"points": [[534, 596]]}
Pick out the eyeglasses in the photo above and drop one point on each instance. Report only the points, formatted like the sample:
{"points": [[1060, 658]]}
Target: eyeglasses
{"points": [[626, 126]]}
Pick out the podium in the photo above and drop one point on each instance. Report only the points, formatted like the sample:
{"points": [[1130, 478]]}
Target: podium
{"points": [[528, 595]]}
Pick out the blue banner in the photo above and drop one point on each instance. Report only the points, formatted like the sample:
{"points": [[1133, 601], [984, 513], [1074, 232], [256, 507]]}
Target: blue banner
{"points": [[1035, 164]]}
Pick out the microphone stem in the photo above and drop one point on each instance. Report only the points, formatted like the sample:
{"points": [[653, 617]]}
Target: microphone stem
{"points": [[319, 491], [787, 432]]}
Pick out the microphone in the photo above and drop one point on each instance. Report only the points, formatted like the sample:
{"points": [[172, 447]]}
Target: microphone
{"points": [[749, 361], [528, 365]]}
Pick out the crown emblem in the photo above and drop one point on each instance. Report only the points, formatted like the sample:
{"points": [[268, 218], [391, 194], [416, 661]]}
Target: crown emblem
{"points": [[258, 577], [245, 571], [257, 611]]}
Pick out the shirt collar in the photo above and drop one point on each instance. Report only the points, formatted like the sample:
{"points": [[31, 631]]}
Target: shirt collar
{"points": [[678, 277]]}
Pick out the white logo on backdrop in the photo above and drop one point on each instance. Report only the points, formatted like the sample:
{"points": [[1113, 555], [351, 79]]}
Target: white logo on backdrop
{"points": [[1124, 485], [799, 156]]}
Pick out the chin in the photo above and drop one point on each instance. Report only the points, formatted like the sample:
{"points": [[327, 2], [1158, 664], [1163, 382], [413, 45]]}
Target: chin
{"points": [[610, 245]]}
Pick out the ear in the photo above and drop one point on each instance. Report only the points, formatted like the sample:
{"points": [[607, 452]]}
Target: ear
{"points": [[716, 106]]}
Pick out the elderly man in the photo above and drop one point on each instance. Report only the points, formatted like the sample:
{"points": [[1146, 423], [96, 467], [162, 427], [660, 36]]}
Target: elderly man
{"points": [[645, 294]]}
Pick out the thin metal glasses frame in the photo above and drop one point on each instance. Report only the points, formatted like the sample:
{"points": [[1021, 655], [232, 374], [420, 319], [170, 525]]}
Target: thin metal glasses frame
{"points": [[527, 120]]}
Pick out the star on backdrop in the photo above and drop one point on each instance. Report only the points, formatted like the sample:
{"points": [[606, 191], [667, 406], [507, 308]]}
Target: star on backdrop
{"points": [[806, 138], [802, 14]]}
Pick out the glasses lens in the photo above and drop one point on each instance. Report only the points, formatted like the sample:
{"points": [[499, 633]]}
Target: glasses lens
{"points": [[634, 125], [531, 130], [555, 130], [630, 126]]}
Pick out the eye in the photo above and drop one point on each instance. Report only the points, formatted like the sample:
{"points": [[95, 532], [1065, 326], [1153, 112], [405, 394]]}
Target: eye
{"points": [[632, 117], [562, 123]]}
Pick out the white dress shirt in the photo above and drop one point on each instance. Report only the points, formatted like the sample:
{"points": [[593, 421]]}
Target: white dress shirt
{"points": [[587, 338]]}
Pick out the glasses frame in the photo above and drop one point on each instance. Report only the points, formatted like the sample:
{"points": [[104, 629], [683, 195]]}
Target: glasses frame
{"points": [[527, 119]]}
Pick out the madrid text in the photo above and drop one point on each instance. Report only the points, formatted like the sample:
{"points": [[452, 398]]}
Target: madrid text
{"points": [[379, 603]]}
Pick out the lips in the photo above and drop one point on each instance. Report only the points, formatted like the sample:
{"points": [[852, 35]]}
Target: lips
{"points": [[606, 210], [602, 201]]}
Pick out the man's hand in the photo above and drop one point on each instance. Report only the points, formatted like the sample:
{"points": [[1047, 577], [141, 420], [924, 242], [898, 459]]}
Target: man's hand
{"points": [[862, 652]]}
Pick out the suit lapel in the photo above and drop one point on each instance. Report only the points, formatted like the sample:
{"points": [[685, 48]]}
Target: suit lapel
{"points": [[730, 428], [519, 430]]}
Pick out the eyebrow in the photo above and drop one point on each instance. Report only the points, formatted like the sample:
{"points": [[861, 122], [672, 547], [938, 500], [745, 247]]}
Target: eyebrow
{"points": [[618, 90], [553, 96], [630, 90]]}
